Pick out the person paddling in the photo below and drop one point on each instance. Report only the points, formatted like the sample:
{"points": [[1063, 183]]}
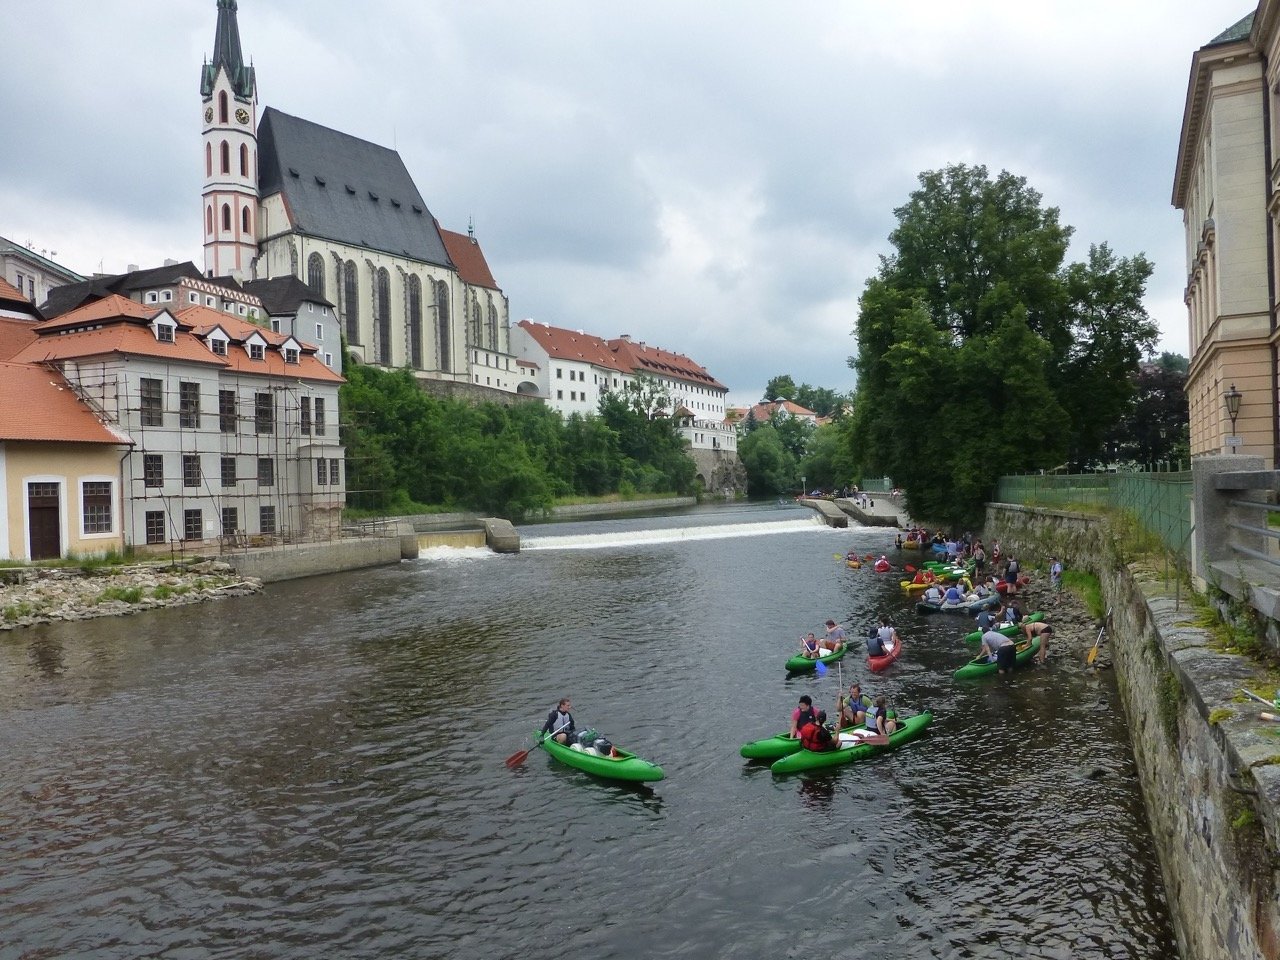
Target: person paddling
{"points": [[559, 722]]}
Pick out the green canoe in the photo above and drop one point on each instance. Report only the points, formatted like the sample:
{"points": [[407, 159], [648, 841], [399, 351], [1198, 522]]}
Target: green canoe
{"points": [[771, 748], [800, 663], [621, 766], [910, 729], [980, 667], [1009, 629]]}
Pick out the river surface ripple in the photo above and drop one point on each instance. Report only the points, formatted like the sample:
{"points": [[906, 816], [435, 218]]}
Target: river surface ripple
{"points": [[318, 771]]}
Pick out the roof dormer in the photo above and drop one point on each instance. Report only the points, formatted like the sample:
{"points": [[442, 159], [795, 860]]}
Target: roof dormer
{"points": [[291, 350], [255, 345], [217, 340], [164, 327]]}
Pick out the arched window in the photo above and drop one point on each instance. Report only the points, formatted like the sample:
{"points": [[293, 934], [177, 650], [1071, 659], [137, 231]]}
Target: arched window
{"points": [[208, 220], [244, 221], [208, 159], [492, 330], [223, 116], [382, 318], [315, 273], [226, 157], [473, 322], [442, 326], [244, 159], [415, 322], [351, 301], [226, 217]]}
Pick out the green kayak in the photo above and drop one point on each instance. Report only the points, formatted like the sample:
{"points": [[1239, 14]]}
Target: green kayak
{"points": [[620, 766], [910, 729], [800, 662], [771, 748], [981, 667], [1009, 629]]}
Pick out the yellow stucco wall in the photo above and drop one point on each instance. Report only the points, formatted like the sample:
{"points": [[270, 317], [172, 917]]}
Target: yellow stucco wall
{"points": [[66, 464]]}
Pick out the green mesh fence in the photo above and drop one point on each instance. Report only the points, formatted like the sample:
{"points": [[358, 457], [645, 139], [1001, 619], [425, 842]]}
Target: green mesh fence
{"points": [[876, 485]]}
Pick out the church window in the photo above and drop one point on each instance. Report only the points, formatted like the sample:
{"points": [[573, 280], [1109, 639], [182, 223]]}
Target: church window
{"points": [[315, 274], [442, 326], [475, 320], [225, 151], [226, 216], [493, 327], [244, 220], [208, 220], [351, 301], [382, 319], [244, 160], [208, 159], [415, 322], [222, 107]]}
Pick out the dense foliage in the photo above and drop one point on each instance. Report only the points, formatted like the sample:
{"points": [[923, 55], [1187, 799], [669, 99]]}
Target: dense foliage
{"points": [[823, 401], [407, 447], [980, 354]]}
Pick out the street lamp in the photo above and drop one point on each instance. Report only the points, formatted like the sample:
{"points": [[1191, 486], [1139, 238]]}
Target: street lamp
{"points": [[1232, 399]]}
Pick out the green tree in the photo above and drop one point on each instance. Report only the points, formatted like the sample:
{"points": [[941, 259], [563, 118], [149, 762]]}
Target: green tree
{"points": [[823, 401], [771, 469], [829, 461], [780, 388]]}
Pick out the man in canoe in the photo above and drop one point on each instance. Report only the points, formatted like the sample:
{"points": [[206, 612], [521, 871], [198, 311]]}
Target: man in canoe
{"points": [[815, 735], [835, 638], [999, 649], [883, 639], [559, 722], [878, 719], [801, 715], [1042, 630], [853, 709]]}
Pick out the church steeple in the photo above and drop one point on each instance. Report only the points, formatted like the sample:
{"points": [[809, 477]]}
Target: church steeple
{"points": [[229, 106], [226, 54]]}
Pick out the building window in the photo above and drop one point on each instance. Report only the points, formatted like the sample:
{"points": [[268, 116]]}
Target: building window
{"points": [[155, 526], [290, 354], [95, 506], [304, 406], [443, 333], [192, 296], [226, 224], [208, 159], [328, 359], [322, 472], [256, 351], [559, 374], [230, 521], [244, 229], [153, 470], [267, 519], [415, 322], [319, 333], [382, 318], [152, 402], [190, 470], [152, 296], [192, 525], [335, 477], [315, 274], [227, 410], [266, 472], [210, 301], [223, 116], [228, 471], [218, 346], [319, 416], [275, 326], [559, 394], [351, 301], [264, 415], [166, 296], [244, 164], [189, 405], [164, 333], [225, 151]]}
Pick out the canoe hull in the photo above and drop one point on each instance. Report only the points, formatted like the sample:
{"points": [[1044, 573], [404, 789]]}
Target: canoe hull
{"points": [[1009, 629], [877, 664], [981, 668], [912, 729], [801, 664], [626, 766], [774, 748]]}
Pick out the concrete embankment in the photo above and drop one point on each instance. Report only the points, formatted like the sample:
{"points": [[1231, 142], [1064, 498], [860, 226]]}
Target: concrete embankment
{"points": [[1209, 766]]}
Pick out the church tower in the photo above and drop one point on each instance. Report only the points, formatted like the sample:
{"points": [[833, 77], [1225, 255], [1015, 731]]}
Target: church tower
{"points": [[229, 110]]}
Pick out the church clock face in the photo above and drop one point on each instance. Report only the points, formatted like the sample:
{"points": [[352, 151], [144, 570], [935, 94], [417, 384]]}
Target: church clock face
{"points": [[208, 115], [242, 115]]}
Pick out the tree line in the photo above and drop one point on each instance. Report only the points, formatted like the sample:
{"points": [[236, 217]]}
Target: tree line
{"points": [[407, 450]]}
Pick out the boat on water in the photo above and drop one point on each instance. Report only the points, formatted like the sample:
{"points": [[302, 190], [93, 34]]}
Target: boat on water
{"points": [[852, 748], [970, 607], [1008, 629], [615, 765], [877, 664], [802, 664], [772, 748], [981, 667]]}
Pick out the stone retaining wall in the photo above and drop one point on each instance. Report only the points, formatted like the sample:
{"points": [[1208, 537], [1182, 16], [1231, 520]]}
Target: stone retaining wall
{"points": [[1210, 769], [311, 559]]}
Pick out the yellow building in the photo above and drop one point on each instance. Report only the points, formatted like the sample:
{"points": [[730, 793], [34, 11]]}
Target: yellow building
{"points": [[1225, 184]]}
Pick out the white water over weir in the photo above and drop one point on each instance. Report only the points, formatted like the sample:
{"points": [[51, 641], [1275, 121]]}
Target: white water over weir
{"points": [[630, 538]]}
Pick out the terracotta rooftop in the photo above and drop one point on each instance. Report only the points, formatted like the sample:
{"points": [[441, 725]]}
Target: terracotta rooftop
{"points": [[308, 367], [562, 344], [112, 307], [128, 339], [14, 336], [37, 404], [655, 361], [467, 256], [9, 292]]}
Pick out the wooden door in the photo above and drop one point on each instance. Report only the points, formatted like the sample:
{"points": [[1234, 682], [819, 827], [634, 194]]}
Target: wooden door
{"points": [[43, 521]]}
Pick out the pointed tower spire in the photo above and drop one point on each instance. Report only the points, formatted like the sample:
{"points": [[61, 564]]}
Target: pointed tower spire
{"points": [[227, 54]]}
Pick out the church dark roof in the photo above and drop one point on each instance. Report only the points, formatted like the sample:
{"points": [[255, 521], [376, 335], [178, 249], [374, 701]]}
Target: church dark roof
{"points": [[69, 296], [1237, 31], [282, 296], [226, 53], [345, 189]]}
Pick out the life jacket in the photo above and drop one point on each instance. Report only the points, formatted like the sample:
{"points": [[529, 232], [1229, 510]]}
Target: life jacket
{"points": [[807, 716], [811, 737]]}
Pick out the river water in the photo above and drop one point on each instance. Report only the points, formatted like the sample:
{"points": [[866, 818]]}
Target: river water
{"points": [[318, 770]]}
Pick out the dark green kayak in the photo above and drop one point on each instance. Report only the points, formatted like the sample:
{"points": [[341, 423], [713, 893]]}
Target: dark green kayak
{"points": [[1009, 629], [620, 766], [910, 729], [771, 748], [981, 667], [800, 663]]}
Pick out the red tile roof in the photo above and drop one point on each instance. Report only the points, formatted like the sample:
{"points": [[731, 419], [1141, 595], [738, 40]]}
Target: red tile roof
{"points": [[37, 404], [656, 362], [467, 256], [14, 336], [563, 344], [108, 308], [9, 292], [308, 367], [764, 411]]}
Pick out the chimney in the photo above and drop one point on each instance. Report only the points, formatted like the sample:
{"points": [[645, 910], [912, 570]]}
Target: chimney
{"points": [[131, 268], [168, 262]]}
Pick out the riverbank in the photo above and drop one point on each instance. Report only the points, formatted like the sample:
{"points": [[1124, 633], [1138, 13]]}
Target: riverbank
{"points": [[34, 595]]}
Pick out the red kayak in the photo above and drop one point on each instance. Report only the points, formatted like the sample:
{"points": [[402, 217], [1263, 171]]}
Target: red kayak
{"points": [[880, 663]]}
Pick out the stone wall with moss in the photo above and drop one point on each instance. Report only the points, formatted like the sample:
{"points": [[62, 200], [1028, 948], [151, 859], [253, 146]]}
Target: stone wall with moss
{"points": [[1210, 767]]}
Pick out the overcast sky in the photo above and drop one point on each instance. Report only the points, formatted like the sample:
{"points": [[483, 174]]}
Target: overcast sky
{"points": [[716, 177]]}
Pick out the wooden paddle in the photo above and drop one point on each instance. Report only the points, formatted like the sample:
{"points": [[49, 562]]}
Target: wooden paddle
{"points": [[1093, 651], [520, 756]]}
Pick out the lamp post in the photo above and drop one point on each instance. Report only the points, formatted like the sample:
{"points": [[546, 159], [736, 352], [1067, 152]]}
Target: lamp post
{"points": [[1232, 400], [804, 487]]}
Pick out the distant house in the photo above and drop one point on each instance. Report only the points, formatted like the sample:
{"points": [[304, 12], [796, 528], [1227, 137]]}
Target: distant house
{"points": [[295, 309], [32, 273], [764, 412]]}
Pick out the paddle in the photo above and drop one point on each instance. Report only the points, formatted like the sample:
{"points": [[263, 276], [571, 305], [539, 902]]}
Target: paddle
{"points": [[1253, 696], [1093, 651], [519, 756]]}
